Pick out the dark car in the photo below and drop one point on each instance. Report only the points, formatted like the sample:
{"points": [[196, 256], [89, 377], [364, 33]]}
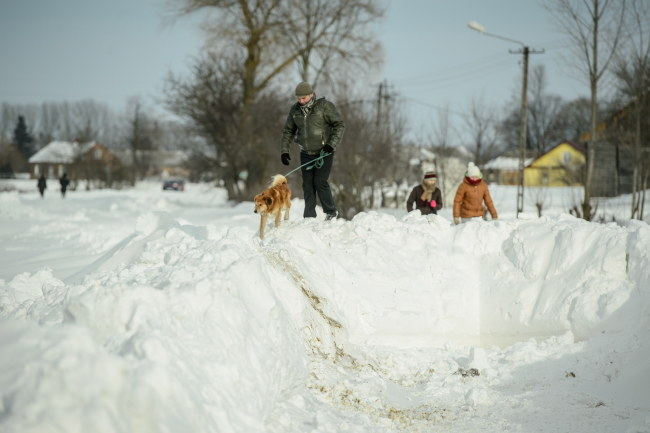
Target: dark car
{"points": [[175, 184]]}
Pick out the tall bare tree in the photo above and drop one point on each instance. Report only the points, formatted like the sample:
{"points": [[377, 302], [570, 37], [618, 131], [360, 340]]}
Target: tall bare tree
{"points": [[268, 36], [594, 28]]}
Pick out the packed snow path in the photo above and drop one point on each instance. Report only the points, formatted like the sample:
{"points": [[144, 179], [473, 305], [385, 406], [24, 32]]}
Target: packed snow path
{"points": [[150, 312]]}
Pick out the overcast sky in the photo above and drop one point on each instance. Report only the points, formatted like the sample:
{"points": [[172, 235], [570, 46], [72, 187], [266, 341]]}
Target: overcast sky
{"points": [[55, 50]]}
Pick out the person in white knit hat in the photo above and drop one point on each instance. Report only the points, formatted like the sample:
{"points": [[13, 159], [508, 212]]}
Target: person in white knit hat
{"points": [[470, 196]]}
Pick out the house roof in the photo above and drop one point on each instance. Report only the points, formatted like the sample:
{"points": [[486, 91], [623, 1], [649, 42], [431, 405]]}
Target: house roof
{"points": [[505, 163], [573, 144], [61, 152], [569, 143]]}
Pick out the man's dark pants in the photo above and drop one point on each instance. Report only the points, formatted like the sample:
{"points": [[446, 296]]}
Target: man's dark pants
{"points": [[314, 181]]}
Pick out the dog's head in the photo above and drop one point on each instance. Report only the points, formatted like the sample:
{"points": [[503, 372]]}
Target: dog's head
{"points": [[263, 202]]}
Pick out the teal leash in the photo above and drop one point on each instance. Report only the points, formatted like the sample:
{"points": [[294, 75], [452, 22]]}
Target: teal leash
{"points": [[315, 163]]}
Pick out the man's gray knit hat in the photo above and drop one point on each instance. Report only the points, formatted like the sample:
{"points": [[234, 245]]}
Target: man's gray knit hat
{"points": [[303, 89]]}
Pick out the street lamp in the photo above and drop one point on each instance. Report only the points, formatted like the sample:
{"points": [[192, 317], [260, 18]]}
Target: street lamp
{"points": [[524, 108]]}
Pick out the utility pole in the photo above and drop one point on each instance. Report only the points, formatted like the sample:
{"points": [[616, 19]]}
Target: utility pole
{"points": [[380, 97], [524, 107], [523, 133]]}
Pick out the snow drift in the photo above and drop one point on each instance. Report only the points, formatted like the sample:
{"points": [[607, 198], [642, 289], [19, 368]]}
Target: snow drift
{"points": [[374, 324]]}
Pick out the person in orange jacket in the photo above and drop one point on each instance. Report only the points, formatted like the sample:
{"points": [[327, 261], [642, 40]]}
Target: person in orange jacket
{"points": [[470, 196]]}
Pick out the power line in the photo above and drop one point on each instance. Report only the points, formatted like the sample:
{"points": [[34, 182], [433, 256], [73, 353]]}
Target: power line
{"points": [[435, 107]]}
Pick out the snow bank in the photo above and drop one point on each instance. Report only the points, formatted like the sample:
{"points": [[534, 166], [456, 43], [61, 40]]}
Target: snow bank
{"points": [[375, 324]]}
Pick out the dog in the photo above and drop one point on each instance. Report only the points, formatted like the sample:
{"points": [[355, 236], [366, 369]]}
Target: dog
{"points": [[272, 201]]}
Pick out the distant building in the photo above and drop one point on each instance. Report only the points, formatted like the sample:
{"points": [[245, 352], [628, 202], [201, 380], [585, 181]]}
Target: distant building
{"points": [[503, 170], [87, 161], [562, 165]]}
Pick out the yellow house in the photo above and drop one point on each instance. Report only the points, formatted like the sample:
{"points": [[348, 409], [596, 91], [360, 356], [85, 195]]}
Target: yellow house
{"points": [[560, 166]]}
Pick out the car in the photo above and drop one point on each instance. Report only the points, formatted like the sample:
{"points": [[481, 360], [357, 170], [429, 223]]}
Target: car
{"points": [[174, 184]]}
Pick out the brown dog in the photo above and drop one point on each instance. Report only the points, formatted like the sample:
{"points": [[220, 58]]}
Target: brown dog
{"points": [[272, 201]]}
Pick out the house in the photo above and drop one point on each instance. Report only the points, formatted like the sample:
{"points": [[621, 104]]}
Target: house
{"points": [[503, 170], [562, 165], [89, 161]]}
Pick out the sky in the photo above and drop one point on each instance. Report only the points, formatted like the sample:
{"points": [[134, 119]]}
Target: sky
{"points": [[142, 310], [110, 51]]}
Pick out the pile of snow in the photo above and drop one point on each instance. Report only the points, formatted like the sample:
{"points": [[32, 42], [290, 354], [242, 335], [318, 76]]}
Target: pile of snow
{"points": [[151, 311]]}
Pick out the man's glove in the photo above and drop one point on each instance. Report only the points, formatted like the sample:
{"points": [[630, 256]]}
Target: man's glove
{"points": [[285, 158], [433, 203], [456, 220], [328, 149]]}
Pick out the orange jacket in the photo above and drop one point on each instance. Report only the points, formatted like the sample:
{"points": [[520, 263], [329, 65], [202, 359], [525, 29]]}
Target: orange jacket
{"points": [[469, 199]]}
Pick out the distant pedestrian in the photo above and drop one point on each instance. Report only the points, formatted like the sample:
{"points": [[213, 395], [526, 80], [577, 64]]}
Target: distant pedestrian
{"points": [[470, 196], [426, 196], [64, 181], [42, 185]]}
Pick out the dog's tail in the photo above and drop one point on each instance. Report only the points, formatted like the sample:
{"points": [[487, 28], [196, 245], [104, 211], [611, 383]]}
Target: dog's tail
{"points": [[278, 179]]}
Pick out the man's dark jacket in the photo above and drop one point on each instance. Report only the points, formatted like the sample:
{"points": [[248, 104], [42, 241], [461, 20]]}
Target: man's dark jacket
{"points": [[313, 127]]}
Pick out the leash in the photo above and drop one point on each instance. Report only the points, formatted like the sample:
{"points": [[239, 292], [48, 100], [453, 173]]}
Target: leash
{"points": [[315, 163]]}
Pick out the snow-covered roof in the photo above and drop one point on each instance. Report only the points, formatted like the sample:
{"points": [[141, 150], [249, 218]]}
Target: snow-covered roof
{"points": [[505, 163], [62, 152]]}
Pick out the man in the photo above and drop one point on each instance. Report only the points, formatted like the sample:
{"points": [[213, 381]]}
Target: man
{"points": [[316, 125]]}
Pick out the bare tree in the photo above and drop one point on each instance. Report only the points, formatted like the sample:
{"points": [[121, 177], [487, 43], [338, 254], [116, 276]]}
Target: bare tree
{"points": [[139, 136], [441, 146], [633, 73], [594, 28], [543, 110], [573, 119], [331, 37], [212, 103], [544, 120], [85, 120], [481, 124], [374, 154], [255, 31]]}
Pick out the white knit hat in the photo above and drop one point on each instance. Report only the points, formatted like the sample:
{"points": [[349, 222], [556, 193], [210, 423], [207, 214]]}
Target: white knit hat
{"points": [[473, 171]]}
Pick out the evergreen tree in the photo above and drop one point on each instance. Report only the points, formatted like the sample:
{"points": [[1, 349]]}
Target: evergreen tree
{"points": [[22, 138]]}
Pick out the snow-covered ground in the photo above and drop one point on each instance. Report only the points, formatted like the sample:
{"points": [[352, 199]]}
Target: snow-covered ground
{"points": [[149, 311]]}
